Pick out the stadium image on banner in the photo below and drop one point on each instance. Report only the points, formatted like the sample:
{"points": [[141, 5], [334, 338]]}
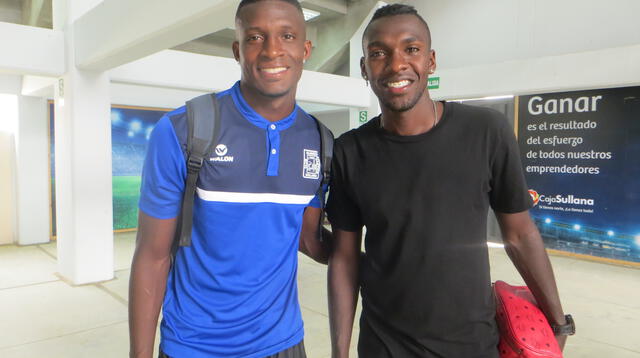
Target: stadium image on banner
{"points": [[581, 156], [130, 131]]}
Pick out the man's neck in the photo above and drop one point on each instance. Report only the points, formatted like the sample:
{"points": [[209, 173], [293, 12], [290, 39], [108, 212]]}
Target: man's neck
{"points": [[417, 120], [271, 108]]}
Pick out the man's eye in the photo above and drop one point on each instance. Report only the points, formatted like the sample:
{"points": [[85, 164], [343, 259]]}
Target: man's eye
{"points": [[288, 37], [254, 38], [376, 54], [413, 49]]}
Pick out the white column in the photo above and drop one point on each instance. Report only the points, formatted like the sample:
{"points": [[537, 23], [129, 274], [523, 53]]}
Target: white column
{"points": [[7, 186], [8, 124], [355, 54], [83, 163], [32, 171]]}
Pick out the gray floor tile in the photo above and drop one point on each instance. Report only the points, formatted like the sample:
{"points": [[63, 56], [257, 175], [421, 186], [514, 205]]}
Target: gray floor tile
{"points": [[25, 265], [42, 316], [49, 310]]}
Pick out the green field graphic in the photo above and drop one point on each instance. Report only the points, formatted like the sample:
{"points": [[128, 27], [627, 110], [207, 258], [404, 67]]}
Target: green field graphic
{"points": [[126, 193]]}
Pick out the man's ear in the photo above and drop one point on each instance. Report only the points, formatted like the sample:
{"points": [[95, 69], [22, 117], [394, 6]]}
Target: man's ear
{"points": [[363, 70], [307, 49], [235, 47], [432, 60]]}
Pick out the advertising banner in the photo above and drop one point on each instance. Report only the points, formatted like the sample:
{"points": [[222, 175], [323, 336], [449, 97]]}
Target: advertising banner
{"points": [[130, 131], [581, 156]]}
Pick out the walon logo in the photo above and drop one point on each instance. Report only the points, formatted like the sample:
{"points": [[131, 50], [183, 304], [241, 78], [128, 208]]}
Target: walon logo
{"points": [[221, 152]]}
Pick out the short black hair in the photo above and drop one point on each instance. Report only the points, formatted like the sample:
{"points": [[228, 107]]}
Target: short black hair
{"points": [[244, 3], [393, 10]]}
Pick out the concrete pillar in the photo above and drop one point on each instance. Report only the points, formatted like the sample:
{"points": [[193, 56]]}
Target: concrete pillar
{"points": [[32, 171], [7, 185], [84, 215], [8, 124], [355, 54]]}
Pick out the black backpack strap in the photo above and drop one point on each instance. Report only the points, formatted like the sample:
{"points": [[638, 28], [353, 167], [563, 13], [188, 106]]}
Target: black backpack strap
{"points": [[203, 121], [326, 150]]}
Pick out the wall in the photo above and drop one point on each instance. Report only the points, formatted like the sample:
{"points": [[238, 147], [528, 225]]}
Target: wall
{"points": [[517, 46], [7, 201], [10, 83], [337, 121], [32, 171]]}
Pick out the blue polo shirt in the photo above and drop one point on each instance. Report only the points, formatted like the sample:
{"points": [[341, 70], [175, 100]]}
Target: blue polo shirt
{"points": [[233, 292]]}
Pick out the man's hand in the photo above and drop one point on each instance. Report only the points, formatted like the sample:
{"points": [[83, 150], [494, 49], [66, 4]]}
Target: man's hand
{"points": [[525, 248], [562, 340]]}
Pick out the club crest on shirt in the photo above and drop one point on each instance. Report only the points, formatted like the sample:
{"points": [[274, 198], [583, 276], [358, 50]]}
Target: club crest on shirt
{"points": [[311, 164]]}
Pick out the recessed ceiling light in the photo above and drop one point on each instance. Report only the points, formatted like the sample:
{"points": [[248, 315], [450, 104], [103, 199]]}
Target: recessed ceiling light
{"points": [[309, 14]]}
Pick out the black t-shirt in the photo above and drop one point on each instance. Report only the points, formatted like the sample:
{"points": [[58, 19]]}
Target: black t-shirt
{"points": [[424, 200]]}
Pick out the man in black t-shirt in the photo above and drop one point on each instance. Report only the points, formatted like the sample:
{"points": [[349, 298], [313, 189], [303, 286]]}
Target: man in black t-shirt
{"points": [[421, 177]]}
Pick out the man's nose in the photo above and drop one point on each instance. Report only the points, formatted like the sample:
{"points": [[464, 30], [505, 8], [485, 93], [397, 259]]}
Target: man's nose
{"points": [[398, 61], [272, 47]]}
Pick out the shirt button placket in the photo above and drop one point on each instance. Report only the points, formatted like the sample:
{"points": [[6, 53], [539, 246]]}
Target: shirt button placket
{"points": [[274, 143]]}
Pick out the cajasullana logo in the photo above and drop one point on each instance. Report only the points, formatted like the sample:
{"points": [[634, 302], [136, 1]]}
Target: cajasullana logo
{"points": [[534, 196]]}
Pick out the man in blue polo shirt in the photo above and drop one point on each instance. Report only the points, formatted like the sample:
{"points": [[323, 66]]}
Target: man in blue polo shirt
{"points": [[233, 292]]}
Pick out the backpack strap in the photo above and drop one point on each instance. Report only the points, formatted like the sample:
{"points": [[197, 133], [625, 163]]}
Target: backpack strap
{"points": [[203, 121], [326, 150]]}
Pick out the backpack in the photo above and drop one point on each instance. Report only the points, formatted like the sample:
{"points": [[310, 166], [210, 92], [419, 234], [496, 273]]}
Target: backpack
{"points": [[201, 136]]}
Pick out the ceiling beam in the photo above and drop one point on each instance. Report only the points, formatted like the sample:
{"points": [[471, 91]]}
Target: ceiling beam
{"points": [[117, 32], [333, 34], [201, 73], [338, 7], [32, 12], [38, 86], [31, 50]]}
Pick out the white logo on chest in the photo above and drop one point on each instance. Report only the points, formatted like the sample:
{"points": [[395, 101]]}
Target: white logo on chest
{"points": [[221, 152], [311, 164]]}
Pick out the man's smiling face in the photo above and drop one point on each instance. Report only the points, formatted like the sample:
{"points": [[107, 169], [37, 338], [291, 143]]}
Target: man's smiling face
{"points": [[271, 47], [397, 60]]}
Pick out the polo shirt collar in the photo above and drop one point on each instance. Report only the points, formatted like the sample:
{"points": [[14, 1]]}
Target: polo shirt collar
{"points": [[254, 117]]}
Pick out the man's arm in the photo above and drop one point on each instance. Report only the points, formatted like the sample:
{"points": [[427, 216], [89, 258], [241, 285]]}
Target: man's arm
{"points": [[526, 250], [343, 288], [309, 243], [147, 285]]}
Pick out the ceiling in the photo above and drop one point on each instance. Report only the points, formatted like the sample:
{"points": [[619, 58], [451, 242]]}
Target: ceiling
{"points": [[39, 13]]}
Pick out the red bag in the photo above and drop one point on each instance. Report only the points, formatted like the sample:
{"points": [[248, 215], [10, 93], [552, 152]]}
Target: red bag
{"points": [[524, 329]]}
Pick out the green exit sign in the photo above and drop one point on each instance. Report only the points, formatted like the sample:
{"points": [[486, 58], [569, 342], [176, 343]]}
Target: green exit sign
{"points": [[363, 116], [433, 83]]}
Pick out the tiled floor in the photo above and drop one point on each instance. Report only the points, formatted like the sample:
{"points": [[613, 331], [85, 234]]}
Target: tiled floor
{"points": [[42, 316]]}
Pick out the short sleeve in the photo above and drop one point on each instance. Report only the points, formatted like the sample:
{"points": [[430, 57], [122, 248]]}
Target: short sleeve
{"points": [[318, 198], [342, 210], [163, 173], [509, 191]]}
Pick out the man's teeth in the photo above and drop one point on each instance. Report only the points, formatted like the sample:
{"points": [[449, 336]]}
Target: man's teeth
{"points": [[274, 70], [398, 84]]}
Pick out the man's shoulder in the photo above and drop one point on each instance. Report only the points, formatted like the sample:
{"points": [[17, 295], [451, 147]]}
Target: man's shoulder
{"points": [[477, 116], [178, 117], [306, 121], [350, 137], [463, 109], [177, 114]]}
